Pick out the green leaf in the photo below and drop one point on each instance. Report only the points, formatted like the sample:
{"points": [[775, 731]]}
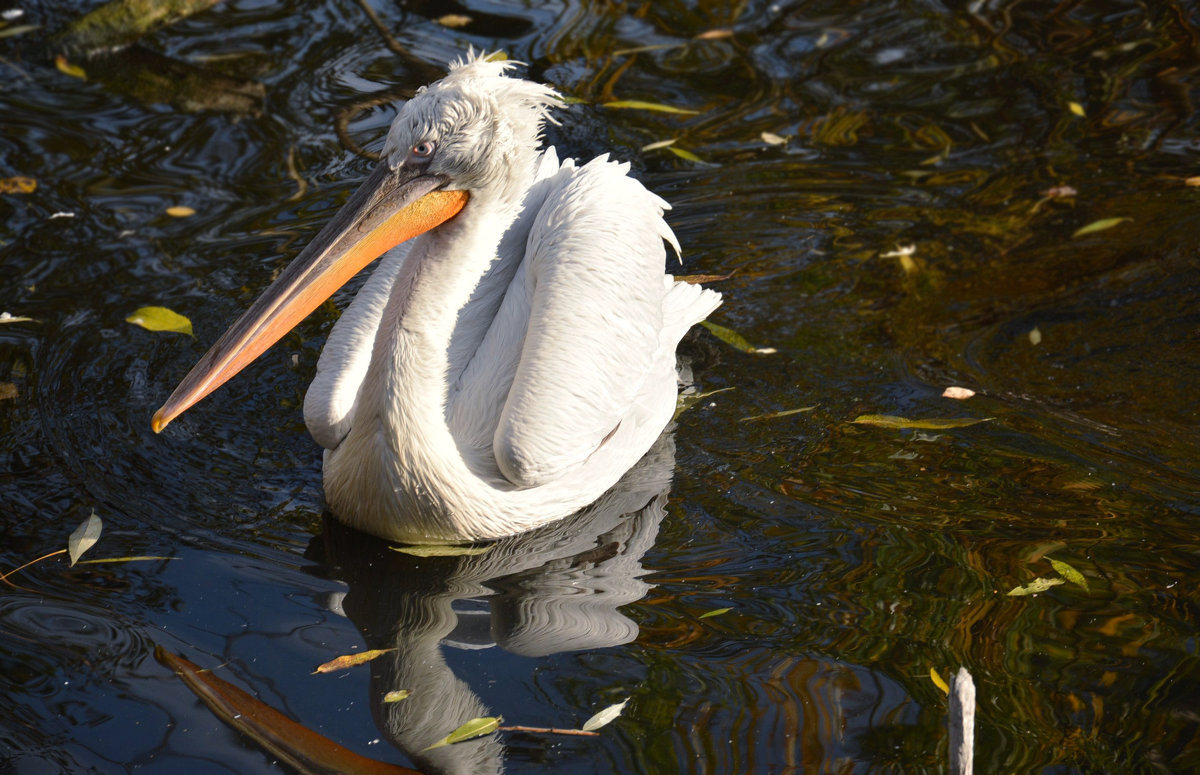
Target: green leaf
{"points": [[659, 144], [160, 319], [604, 717], [476, 727], [1068, 572], [734, 339], [938, 681], [438, 550], [397, 695], [1035, 586], [84, 537], [714, 612], [1100, 225], [643, 105], [931, 424], [20, 29]]}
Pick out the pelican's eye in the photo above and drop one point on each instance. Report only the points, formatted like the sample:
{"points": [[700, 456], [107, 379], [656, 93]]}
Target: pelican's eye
{"points": [[423, 149]]}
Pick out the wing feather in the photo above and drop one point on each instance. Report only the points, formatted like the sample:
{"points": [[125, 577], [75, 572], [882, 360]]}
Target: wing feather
{"points": [[593, 276]]}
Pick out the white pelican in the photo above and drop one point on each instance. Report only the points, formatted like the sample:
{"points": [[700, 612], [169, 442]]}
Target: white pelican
{"points": [[506, 364]]}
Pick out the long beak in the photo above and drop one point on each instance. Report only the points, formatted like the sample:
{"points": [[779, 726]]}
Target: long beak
{"points": [[389, 208]]}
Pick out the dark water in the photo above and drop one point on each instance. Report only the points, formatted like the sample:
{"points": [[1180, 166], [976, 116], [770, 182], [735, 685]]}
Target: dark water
{"points": [[854, 559]]}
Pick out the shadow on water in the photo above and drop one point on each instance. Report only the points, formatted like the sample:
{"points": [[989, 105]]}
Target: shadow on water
{"points": [[896, 188]]}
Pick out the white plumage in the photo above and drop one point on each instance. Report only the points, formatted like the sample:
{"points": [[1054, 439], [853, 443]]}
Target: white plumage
{"points": [[506, 366]]}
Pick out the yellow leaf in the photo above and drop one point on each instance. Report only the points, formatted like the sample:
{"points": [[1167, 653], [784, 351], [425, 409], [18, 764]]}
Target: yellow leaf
{"points": [[770, 138], [18, 185], [659, 144], [1100, 225], [717, 34], [685, 154], [397, 695], [734, 339], [1077, 109], [714, 612], [84, 537], [454, 20], [1035, 336], [1068, 572], [476, 727], [931, 424], [66, 68], [180, 211], [938, 681], [160, 319], [643, 105], [350, 660], [436, 550], [1035, 586]]}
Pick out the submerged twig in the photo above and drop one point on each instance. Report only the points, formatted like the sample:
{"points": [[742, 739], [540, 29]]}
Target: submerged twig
{"points": [[548, 731]]}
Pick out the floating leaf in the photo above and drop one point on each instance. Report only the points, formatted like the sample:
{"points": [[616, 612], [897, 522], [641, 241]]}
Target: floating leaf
{"points": [[18, 185], [8, 391], [437, 550], [734, 339], [453, 20], [770, 138], [160, 319], [643, 105], [717, 34], [20, 29], [683, 153], [66, 68], [180, 211], [958, 393], [1100, 225], [84, 537], [1067, 572], [497, 56], [776, 415], [714, 612], [938, 681], [604, 717], [1035, 336], [1035, 586], [397, 695], [476, 727], [930, 424], [1077, 109], [696, 279], [7, 318], [350, 660], [688, 400], [659, 144], [1192, 181]]}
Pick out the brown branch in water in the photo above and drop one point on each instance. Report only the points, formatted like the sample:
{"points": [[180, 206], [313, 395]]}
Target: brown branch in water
{"points": [[301, 183], [548, 731]]}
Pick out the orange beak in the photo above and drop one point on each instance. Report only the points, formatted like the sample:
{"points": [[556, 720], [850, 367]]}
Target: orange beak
{"points": [[389, 208]]}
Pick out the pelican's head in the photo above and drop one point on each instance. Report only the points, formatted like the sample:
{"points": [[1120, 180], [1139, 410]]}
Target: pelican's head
{"points": [[477, 128], [471, 135]]}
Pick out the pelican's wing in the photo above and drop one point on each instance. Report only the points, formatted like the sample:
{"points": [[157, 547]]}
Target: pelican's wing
{"points": [[593, 279], [331, 398]]}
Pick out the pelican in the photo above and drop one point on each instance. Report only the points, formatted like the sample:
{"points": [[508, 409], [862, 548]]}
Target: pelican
{"points": [[513, 353]]}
